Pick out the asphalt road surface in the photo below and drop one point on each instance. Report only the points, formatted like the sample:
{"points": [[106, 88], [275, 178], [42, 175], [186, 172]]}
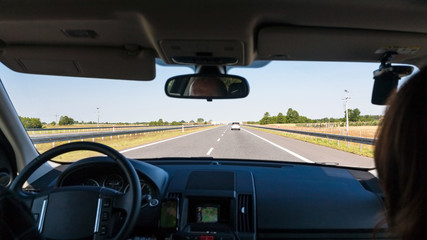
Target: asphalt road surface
{"points": [[222, 142]]}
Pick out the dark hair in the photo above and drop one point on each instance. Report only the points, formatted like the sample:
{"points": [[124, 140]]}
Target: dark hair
{"points": [[401, 159]]}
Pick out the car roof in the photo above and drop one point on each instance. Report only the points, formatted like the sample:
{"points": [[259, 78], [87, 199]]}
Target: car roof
{"points": [[122, 39]]}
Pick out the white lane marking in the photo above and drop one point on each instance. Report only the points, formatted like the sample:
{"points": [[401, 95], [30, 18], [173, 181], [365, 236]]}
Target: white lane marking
{"points": [[166, 140], [282, 148], [218, 139], [209, 152]]}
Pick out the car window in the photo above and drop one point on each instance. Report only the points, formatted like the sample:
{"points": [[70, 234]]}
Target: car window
{"points": [[299, 96]]}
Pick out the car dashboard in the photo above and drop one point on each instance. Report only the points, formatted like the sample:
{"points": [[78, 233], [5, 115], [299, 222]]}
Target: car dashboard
{"points": [[235, 199]]}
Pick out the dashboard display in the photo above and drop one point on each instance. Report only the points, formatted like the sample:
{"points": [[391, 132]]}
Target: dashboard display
{"points": [[106, 176], [90, 182], [115, 182], [207, 213]]}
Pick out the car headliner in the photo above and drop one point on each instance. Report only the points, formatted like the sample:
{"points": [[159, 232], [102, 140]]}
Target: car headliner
{"points": [[130, 34]]}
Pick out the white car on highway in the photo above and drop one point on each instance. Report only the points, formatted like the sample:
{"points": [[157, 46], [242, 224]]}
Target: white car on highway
{"points": [[150, 88], [235, 126]]}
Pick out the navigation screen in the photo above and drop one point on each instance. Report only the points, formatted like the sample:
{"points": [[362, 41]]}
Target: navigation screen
{"points": [[207, 213]]}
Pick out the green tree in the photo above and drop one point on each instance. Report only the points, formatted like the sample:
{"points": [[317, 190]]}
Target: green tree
{"points": [[354, 115], [28, 122], [303, 119], [281, 118], [265, 119], [273, 119], [175, 123], [65, 120], [292, 116], [153, 123], [200, 120]]}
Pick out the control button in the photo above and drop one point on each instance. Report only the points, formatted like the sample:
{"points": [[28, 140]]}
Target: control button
{"points": [[154, 202], [36, 217], [106, 202], [105, 216], [206, 238], [103, 230]]}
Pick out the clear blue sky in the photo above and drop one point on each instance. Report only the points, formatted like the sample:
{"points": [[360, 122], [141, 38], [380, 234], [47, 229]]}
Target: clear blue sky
{"points": [[313, 89]]}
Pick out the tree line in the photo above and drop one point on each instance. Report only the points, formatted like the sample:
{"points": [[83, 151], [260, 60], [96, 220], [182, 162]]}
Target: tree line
{"points": [[28, 122], [160, 122], [292, 116]]}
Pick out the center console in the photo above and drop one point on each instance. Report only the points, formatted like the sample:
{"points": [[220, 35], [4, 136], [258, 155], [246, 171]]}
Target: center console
{"points": [[213, 205]]}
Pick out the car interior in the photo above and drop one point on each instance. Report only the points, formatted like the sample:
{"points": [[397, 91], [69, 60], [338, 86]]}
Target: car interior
{"points": [[198, 197]]}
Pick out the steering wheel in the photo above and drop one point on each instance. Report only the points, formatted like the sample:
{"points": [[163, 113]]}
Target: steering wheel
{"points": [[78, 212]]}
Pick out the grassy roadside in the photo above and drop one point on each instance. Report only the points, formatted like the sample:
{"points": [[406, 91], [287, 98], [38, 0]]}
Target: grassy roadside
{"points": [[356, 131], [118, 142], [365, 150]]}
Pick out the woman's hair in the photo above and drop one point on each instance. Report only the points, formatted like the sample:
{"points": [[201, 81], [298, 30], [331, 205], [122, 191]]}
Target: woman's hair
{"points": [[401, 159]]}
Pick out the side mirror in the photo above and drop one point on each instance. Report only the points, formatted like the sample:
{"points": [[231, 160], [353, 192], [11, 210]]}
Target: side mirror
{"points": [[207, 86]]}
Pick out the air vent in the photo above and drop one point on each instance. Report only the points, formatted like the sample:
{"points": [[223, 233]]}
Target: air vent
{"points": [[175, 195], [245, 214]]}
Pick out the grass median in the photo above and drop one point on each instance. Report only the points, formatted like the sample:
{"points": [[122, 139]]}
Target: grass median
{"points": [[356, 148], [119, 143]]}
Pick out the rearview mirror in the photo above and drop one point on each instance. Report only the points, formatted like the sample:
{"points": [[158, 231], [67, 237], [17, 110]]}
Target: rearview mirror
{"points": [[207, 86]]}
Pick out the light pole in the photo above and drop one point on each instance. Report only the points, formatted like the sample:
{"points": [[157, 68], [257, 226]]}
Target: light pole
{"points": [[346, 107], [97, 109]]}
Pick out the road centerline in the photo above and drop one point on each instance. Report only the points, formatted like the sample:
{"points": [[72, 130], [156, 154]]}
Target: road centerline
{"points": [[210, 151], [282, 148]]}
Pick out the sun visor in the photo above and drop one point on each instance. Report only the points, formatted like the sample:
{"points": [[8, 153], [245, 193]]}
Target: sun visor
{"points": [[129, 63], [327, 44]]}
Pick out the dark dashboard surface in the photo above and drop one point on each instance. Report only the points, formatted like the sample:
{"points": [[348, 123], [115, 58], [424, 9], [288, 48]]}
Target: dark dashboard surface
{"points": [[228, 199]]}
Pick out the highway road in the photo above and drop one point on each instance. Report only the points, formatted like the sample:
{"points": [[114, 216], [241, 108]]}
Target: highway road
{"points": [[222, 142]]}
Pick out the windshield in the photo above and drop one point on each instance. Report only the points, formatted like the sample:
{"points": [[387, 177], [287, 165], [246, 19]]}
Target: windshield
{"points": [[137, 118]]}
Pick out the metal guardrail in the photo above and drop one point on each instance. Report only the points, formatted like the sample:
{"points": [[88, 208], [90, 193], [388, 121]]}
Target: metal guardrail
{"points": [[362, 140], [86, 135], [86, 128]]}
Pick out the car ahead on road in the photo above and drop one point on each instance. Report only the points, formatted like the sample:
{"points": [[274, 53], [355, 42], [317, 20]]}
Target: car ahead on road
{"points": [[94, 60], [235, 126]]}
